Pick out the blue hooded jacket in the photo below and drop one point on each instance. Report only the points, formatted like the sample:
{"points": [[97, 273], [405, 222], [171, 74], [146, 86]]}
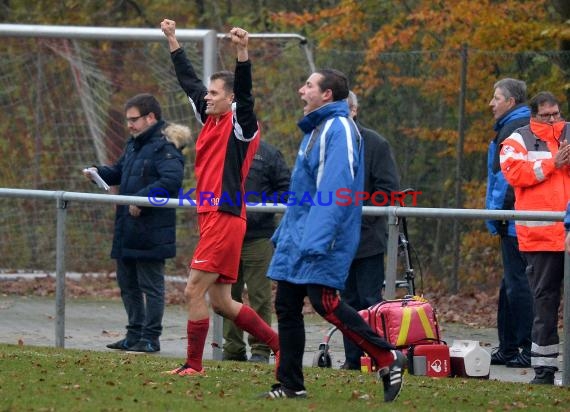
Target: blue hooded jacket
{"points": [[500, 195], [319, 233]]}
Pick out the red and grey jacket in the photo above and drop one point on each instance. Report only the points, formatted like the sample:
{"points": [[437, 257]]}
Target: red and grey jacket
{"points": [[527, 161], [225, 147]]}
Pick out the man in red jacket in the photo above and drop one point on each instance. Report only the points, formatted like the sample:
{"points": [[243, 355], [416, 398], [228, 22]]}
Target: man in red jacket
{"points": [[535, 160]]}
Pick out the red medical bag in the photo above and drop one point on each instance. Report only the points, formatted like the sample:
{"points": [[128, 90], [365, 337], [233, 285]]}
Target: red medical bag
{"points": [[404, 322]]}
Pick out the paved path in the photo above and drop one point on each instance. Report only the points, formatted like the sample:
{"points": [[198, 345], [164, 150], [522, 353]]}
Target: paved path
{"points": [[91, 324]]}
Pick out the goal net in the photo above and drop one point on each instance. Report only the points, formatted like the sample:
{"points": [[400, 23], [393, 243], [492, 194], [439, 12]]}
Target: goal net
{"points": [[61, 109]]}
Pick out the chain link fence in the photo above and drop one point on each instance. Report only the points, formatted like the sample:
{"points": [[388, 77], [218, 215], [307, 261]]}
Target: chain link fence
{"points": [[61, 110]]}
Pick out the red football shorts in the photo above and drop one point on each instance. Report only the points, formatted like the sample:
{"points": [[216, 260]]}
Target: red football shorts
{"points": [[219, 245]]}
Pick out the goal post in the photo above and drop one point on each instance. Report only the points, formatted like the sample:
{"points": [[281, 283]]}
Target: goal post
{"points": [[207, 37]]}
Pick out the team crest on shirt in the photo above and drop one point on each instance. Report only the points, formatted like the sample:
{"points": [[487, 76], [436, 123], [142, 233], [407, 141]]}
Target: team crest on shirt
{"points": [[508, 149]]}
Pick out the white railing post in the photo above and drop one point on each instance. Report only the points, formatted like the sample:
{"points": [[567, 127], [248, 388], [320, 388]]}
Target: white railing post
{"points": [[60, 271], [392, 255]]}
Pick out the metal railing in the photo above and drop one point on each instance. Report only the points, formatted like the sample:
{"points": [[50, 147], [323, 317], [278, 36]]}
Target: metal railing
{"points": [[394, 213]]}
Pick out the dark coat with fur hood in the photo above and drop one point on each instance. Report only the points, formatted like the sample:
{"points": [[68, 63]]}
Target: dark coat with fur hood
{"points": [[151, 165]]}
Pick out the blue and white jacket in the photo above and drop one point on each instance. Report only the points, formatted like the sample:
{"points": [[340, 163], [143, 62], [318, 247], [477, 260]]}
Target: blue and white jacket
{"points": [[319, 233], [500, 195]]}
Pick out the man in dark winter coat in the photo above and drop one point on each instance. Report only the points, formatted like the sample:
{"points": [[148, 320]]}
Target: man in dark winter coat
{"points": [[515, 312], [363, 287], [151, 165]]}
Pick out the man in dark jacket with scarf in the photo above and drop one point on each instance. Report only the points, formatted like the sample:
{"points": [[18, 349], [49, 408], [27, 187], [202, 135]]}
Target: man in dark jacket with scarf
{"points": [[363, 287], [151, 165], [515, 311]]}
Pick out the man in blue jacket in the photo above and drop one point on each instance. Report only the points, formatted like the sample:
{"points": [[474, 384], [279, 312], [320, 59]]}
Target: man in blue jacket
{"points": [[318, 237], [515, 311], [151, 165]]}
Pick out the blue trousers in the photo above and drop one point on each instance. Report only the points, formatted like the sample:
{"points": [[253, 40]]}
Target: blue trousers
{"points": [[142, 291], [515, 311], [363, 288]]}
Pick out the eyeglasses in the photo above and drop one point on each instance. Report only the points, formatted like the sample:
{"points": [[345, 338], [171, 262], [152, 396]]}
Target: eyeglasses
{"points": [[134, 119], [547, 116]]}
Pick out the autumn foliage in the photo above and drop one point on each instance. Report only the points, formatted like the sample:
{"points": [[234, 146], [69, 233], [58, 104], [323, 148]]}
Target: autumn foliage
{"points": [[439, 39], [404, 60]]}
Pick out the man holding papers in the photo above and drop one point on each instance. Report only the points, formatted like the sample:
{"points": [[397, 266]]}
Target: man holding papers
{"points": [[151, 165]]}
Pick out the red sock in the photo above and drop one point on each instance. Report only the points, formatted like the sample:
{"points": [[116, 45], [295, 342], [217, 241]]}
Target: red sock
{"points": [[248, 320], [197, 332], [383, 358]]}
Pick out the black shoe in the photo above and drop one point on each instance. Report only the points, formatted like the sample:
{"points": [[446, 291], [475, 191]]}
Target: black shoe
{"points": [[347, 366], [522, 360], [257, 358], [280, 391], [498, 357], [122, 344], [543, 377], [146, 346], [393, 377]]}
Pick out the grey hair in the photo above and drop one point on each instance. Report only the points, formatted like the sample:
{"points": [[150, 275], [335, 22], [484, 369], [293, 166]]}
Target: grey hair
{"points": [[512, 88], [352, 100]]}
